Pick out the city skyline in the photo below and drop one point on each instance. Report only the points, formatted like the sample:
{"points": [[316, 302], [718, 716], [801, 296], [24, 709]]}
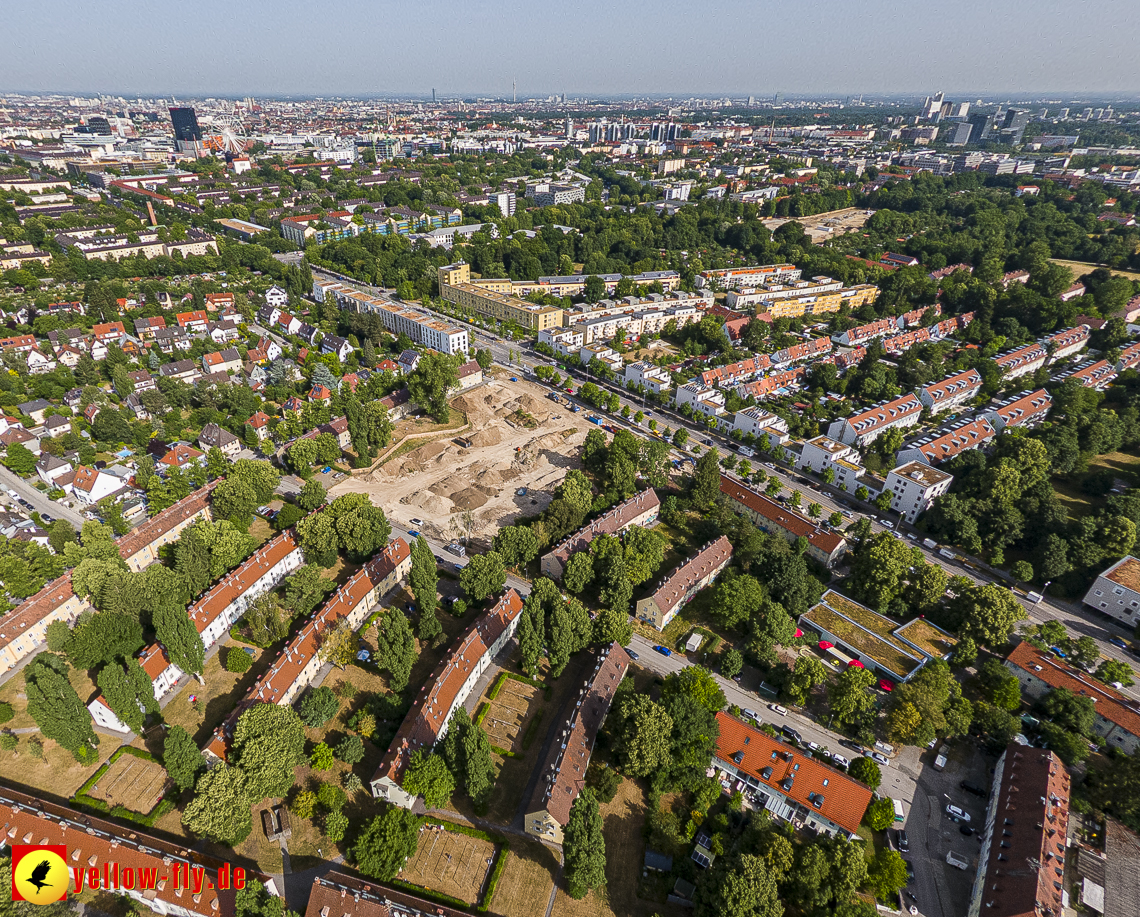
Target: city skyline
{"points": [[1006, 48]]}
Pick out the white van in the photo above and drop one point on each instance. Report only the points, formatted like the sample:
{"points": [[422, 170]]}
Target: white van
{"points": [[956, 861], [746, 452], [900, 815]]}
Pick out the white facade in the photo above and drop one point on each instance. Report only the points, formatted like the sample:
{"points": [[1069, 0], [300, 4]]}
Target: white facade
{"points": [[276, 297], [1116, 591], [914, 486], [759, 422], [701, 398], [652, 378], [864, 428]]}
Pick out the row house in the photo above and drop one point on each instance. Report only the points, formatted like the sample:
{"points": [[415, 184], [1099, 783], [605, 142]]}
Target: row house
{"points": [[446, 689], [941, 447], [864, 333], [757, 422], [863, 428], [1129, 358], [808, 350], [563, 773], [951, 391], [824, 545], [646, 375], [701, 398], [678, 588], [641, 509], [915, 316], [733, 373], [1097, 375], [1023, 360], [950, 326], [774, 383], [299, 662], [1066, 343], [1025, 409], [901, 343]]}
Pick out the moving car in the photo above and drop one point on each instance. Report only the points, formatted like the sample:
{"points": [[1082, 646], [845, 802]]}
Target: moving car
{"points": [[412, 533], [958, 814], [1115, 641]]}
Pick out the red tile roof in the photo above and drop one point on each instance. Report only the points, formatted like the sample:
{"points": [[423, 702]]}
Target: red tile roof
{"points": [[610, 523], [239, 580], [1025, 408], [35, 609], [843, 799], [425, 721], [786, 519], [681, 580], [956, 441], [149, 532], [953, 386]]}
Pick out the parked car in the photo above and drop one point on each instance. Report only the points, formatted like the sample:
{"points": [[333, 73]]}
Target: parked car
{"points": [[881, 760], [750, 714], [776, 708], [839, 759], [631, 654], [902, 840], [792, 734], [957, 813], [966, 830], [973, 789], [1115, 641], [417, 522], [663, 650]]}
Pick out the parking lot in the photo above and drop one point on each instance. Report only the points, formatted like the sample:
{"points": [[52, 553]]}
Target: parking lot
{"points": [[940, 889]]}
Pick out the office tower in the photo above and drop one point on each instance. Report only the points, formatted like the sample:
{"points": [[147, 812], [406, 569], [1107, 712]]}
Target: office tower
{"points": [[983, 126], [1063, 114], [1014, 125], [96, 124], [569, 127], [959, 134], [433, 97], [186, 129], [961, 111]]}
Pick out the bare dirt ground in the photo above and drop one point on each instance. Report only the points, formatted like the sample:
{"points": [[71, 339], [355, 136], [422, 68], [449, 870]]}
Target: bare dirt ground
{"points": [[454, 864], [824, 226], [131, 782], [519, 439]]}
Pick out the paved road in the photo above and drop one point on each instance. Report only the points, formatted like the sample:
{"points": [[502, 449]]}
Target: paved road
{"points": [[40, 501]]}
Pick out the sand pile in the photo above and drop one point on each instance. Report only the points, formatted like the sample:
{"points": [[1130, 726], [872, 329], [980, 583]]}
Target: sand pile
{"points": [[430, 503], [490, 436], [469, 498]]}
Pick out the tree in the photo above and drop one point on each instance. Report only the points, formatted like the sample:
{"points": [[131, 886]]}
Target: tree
{"points": [[423, 580], [183, 761], [706, 480], [20, 459], [1112, 671], [741, 886], [351, 523], [880, 570], [987, 613], [395, 648], [177, 633], [304, 804], [305, 588], [321, 758], [835, 520], [866, 771], [429, 384], [264, 620], [427, 775], [318, 707], [516, 544], [731, 662], [237, 660], [56, 707], [594, 289], [643, 736], [255, 901], [806, 674], [130, 696], [337, 644], [220, 809], [100, 637], [484, 575], [644, 552], [999, 686], [584, 846], [881, 814], [335, 826], [369, 428], [695, 682], [1085, 652], [312, 496], [579, 572], [385, 844], [849, 696], [350, 749], [1070, 711], [886, 874], [268, 742], [1022, 571]]}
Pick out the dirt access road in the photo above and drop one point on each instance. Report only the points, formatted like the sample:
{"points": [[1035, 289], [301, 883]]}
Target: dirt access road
{"points": [[519, 439]]}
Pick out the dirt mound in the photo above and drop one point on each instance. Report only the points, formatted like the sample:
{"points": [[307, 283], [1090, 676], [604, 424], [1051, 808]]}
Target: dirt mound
{"points": [[532, 405], [469, 498], [475, 404], [432, 504], [489, 436]]}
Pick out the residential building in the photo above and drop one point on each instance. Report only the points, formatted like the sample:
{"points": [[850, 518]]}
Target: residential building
{"points": [[824, 545], [1116, 591], [940, 447], [753, 276], [641, 509], [276, 297], [823, 297], [470, 374], [914, 486], [195, 322], [951, 392], [1027, 359], [1021, 864], [1025, 409], [350, 896], [734, 373], [445, 690], [789, 785], [49, 468], [455, 286], [684, 582], [330, 343], [1129, 358], [701, 398], [1091, 374], [808, 350], [865, 427], [182, 370], [645, 375], [95, 844], [1117, 716], [225, 361], [822, 454], [563, 773], [91, 485], [881, 644], [298, 663], [23, 630], [757, 422], [215, 437], [505, 201], [853, 337], [1067, 343], [139, 548]]}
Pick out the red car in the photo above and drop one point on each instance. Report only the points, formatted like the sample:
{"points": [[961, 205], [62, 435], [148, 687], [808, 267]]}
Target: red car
{"points": [[569, 391]]}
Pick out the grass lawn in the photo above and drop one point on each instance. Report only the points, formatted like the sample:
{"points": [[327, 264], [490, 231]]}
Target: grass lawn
{"points": [[217, 697], [1080, 268], [524, 887], [1073, 497], [57, 774], [451, 863]]}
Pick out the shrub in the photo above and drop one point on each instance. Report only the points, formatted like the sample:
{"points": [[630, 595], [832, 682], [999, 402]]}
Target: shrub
{"points": [[6, 712], [881, 814], [9, 741], [336, 823], [352, 783], [350, 749], [237, 660], [305, 804], [331, 797], [322, 757], [36, 747], [318, 707]]}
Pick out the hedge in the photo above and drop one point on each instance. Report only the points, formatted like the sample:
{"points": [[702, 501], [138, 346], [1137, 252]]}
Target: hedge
{"points": [[493, 882], [98, 805], [503, 676], [481, 713], [420, 892]]}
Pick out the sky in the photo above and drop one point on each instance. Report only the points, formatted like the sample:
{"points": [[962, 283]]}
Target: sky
{"points": [[588, 48]]}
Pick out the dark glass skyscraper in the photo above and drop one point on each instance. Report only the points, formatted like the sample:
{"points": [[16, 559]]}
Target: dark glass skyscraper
{"points": [[186, 129]]}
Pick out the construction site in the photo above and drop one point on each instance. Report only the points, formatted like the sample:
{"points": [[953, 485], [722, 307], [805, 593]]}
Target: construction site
{"points": [[823, 226], [514, 451]]}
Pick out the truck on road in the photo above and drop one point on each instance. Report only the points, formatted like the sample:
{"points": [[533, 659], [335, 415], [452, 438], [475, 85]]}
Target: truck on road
{"points": [[929, 543]]}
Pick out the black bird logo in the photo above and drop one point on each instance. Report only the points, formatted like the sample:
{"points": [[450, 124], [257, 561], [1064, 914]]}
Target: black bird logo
{"points": [[39, 874]]}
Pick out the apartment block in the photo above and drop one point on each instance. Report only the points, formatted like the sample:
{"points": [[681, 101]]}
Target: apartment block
{"points": [[298, 664], [1027, 359], [645, 375], [786, 784], [913, 486], [140, 547], [701, 398], [563, 774], [730, 278], [943, 446], [803, 298], [1117, 591], [863, 428], [757, 422], [822, 453], [824, 545], [684, 582], [455, 286], [442, 694], [641, 509], [1091, 374]]}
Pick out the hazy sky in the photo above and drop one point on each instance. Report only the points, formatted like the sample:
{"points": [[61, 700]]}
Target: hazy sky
{"points": [[743, 47]]}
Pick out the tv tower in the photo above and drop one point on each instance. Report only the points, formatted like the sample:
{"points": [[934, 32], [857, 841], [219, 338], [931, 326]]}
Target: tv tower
{"points": [[514, 90]]}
